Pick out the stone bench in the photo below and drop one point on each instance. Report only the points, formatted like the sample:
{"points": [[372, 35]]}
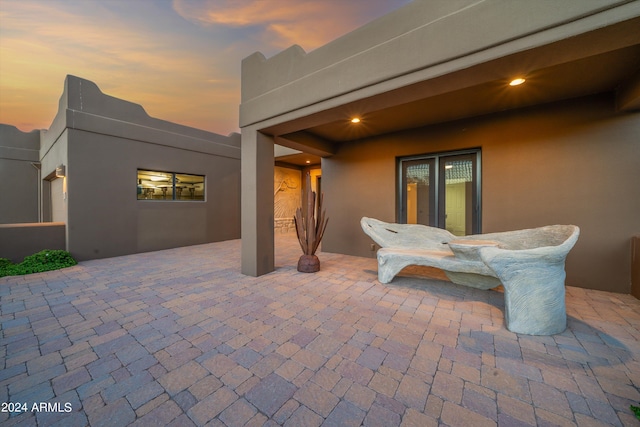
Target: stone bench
{"points": [[528, 263]]}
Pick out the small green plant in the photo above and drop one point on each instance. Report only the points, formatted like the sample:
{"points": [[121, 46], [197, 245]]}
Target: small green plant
{"points": [[636, 411], [46, 260]]}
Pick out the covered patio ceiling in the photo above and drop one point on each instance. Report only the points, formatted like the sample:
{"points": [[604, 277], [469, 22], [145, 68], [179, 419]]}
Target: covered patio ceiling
{"points": [[603, 60]]}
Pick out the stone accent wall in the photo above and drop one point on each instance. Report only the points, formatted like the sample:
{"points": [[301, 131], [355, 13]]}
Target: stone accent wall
{"points": [[284, 225], [287, 195]]}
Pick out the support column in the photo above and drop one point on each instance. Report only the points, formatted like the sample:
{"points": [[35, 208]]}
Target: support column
{"points": [[257, 165]]}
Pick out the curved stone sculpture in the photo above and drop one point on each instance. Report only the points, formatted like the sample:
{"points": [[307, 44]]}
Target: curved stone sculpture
{"points": [[528, 263]]}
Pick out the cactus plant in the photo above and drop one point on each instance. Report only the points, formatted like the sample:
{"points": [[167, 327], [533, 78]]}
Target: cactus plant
{"points": [[310, 226]]}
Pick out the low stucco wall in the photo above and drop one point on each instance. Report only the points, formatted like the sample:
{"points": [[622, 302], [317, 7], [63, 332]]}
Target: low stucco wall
{"points": [[635, 266], [20, 240]]}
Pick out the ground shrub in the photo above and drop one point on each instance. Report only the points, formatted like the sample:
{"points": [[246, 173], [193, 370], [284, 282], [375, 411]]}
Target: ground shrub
{"points": [[636, 411], [46, 260]]}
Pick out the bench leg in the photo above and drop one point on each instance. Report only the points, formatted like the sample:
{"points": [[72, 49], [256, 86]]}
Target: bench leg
{"points": [[534, 293], [389, 267]]}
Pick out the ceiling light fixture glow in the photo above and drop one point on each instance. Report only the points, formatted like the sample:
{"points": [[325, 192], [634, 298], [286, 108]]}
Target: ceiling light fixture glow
{"points": [[355, 120], [517, 82]]}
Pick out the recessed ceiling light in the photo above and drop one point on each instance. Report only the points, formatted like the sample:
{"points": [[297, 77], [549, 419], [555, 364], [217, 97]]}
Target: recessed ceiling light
{"points": [[355, 120], [516, 82], [308, 162]]}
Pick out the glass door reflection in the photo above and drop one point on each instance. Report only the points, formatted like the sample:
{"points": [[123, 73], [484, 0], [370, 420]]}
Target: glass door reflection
{"points": [[441, 191]]}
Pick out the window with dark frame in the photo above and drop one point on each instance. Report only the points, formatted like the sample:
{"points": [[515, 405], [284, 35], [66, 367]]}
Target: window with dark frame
{"points": [[157, 185]]}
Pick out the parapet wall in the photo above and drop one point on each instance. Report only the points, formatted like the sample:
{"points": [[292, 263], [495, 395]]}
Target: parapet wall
{"points": [[18, 145], [84, 106]]}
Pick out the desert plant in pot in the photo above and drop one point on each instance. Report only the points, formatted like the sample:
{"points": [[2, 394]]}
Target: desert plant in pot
{"points": [[310, 226]]}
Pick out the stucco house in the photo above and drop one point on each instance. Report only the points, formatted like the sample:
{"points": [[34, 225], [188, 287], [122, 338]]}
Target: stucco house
{"points": [[116, 180], [446, 137]]}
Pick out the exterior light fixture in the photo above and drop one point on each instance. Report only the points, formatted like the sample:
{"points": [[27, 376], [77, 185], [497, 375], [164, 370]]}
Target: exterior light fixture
{"points": [[355, 120], [61, 171], [308, 162], [517, 82]]}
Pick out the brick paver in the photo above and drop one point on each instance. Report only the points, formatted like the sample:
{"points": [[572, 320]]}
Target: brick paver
{"points": [[181, 338]]}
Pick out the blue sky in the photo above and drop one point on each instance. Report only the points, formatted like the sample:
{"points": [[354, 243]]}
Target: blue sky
{"points": [[179, 59]]}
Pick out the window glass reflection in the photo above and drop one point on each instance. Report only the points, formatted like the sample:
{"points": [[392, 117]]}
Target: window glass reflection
{"points": [[189, 187]]}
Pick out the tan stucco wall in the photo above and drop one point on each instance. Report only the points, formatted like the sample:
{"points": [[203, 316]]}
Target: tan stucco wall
{"points": [[105, 217], [54, 152], [635, 266], [102, 141], [574, 162], [18, 176], [108, 140]]}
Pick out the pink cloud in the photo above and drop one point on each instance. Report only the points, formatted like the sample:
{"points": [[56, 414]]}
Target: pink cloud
{"points": [[308, 23], [181, 63]]}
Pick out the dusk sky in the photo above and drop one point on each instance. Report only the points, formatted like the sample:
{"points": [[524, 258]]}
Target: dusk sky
{"points": [[179, 59]]}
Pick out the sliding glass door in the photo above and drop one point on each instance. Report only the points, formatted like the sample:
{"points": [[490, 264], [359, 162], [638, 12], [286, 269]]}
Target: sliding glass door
{"points": [[441, 190]]}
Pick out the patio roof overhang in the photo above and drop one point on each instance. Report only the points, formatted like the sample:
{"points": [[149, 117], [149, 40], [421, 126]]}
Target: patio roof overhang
{"points": [[593, 53], [428, 62]]}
